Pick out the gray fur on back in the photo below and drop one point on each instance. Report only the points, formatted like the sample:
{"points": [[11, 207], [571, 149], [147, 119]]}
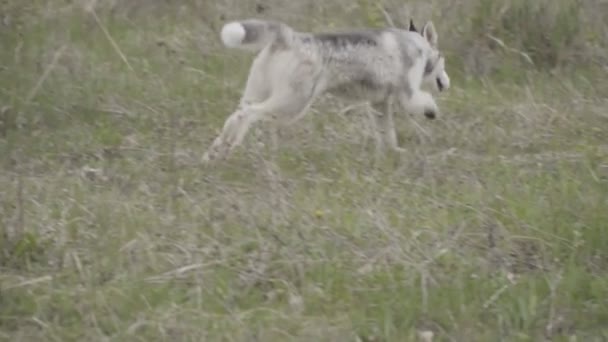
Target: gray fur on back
{"points": [[358, 63], [262, 32]]}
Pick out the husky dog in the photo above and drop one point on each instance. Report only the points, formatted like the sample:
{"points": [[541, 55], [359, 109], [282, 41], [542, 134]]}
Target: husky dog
{"points": [[385, 67]]}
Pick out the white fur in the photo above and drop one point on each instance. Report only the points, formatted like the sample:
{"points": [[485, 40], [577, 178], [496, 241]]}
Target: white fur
{"points": [[445, 80], [233, 34], [415, 74], [420, 101]]}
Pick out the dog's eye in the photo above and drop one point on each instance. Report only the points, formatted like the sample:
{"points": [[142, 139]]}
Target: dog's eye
{"points": [[439, 84]]}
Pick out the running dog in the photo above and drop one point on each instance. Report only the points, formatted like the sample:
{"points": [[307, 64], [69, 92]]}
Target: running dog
{"points": [[385, 67]]}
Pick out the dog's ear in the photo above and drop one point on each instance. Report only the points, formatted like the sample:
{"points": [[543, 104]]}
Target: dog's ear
{"points": [[412, 27], [428, 32]]}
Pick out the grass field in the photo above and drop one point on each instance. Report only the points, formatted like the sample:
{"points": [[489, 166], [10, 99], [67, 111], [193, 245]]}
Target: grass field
{"points": [[491, 227]]}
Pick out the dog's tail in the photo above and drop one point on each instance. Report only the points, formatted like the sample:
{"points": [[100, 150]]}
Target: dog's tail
{"points": [[255, 34]]}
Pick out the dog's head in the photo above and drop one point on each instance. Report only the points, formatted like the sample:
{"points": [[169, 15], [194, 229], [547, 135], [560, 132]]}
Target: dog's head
{"points": [[434, 69]]}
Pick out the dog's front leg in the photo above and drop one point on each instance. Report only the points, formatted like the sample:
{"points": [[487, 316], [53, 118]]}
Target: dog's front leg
{"points": [[386, 135]]}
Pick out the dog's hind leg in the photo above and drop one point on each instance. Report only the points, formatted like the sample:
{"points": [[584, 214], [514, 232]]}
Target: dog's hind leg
{"points": [[257, 87], [234, 129], [386, 135], [283, 102], [257, 90]]}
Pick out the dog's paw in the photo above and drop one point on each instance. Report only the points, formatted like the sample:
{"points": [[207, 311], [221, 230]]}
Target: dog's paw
{"points": [[209, 156]]}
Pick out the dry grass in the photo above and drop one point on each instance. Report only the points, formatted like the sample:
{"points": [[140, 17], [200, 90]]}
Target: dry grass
{"points": [[491, 227]]}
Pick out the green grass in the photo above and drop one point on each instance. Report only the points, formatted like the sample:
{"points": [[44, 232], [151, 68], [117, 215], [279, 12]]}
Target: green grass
{"points": [[491, 227]]}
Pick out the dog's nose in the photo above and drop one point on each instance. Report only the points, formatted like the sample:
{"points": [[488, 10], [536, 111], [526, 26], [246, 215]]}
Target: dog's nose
{"points": [[430, 114]]}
